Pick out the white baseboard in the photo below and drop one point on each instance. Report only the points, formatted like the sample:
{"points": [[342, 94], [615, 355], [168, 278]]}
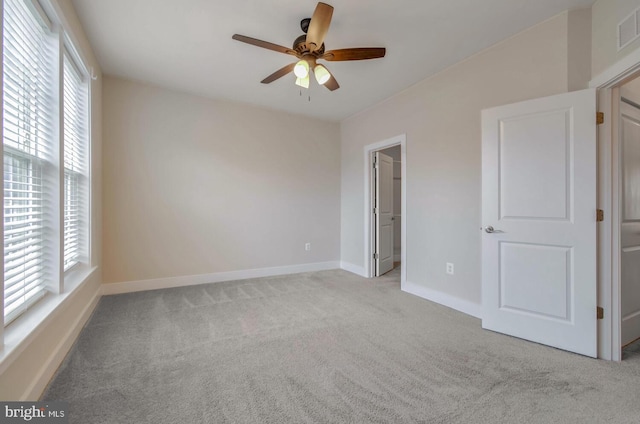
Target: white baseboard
{"points": [[218, 277], [397, 258], [354, 269], [37, 387], [464, 306]]}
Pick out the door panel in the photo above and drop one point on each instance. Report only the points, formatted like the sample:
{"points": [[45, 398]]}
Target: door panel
{"points": [[384, 213], [539, 196], [630, 295], [526, 287], [523, 194], [630, 227]]}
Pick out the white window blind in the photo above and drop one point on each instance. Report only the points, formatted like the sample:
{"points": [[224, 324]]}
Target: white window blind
{"points": [[28, 139], [75, 142]]}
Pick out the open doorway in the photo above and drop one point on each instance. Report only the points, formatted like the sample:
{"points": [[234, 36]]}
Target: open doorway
{"points": [[629, 213], [387, 192], [385, 208], [618, 290]]}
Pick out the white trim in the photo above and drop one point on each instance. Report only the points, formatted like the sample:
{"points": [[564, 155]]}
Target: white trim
{"points": [[609, 286], [2, 323], [52, 7], [354, 269], [612, 257], [605, 246], [369, 149], [37, 387], [460, 305], [40, 14], [612, 224], [618, 71], [25, 329], [218, 277]]}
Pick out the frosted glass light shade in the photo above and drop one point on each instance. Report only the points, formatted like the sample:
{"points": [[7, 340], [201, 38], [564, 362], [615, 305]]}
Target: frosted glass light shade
{"points": [[322, 74], [303, 82], [301, 69]]}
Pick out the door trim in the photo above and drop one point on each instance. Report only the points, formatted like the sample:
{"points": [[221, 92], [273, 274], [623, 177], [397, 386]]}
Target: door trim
{"points": [[369, 222], [609, 198]]}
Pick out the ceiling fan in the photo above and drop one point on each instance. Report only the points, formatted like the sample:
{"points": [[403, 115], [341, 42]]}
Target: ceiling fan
{"points": [[309, 48]]}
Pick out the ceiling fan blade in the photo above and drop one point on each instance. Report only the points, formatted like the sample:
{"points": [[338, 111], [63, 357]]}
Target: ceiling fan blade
{"points": [[331, 84], [264, 44], [279, 73], [319, 26], [359, 53]]}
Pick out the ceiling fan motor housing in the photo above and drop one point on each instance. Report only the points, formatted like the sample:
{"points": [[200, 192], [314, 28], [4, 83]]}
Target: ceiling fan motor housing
{"points": [[300, 46]]}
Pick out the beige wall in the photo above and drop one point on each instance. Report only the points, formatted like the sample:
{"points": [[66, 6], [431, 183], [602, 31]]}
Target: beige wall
{"points": [[607, 14], [579, 49], [197, 186], [27, 376], [441, 119]]}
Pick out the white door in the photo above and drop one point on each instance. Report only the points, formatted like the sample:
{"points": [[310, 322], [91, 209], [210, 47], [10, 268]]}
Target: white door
{"points": [[384, 213], [539, 221], [630, 227]]}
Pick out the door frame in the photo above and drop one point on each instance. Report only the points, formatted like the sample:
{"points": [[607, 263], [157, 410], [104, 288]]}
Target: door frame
{"points": [[609, 199], [369, 221]]}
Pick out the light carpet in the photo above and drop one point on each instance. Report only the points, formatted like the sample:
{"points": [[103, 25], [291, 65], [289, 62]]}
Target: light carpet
{"points": [[323, 347]]}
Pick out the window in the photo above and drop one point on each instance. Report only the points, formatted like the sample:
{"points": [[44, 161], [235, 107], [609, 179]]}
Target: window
{"points": [[28, 122], [75, 141], [37, 250]]}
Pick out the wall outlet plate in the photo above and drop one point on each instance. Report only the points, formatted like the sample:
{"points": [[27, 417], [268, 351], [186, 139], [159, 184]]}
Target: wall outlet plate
{"points": [[449, 268]]}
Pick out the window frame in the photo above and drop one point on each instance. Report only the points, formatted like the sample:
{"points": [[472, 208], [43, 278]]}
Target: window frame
{"points": [[84, 175], [30, 142], [64, 282]]}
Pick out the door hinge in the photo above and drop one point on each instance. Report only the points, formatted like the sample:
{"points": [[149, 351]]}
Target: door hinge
{"points": [[375, 256], [599, 215], [375, 163], [600, 312], [375, 211], [599, 118]]}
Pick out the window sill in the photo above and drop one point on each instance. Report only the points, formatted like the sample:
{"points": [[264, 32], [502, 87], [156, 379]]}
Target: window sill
{"points": [[21, 332]]}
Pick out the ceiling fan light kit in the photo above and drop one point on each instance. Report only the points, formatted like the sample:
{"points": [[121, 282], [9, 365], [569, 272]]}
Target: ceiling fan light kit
{"points": [[309, 48], [322, 74], [301, 69], [303, 82]]}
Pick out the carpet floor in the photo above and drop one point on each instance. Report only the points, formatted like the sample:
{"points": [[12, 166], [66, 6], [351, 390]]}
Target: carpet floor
{"points": [[323, 347]]}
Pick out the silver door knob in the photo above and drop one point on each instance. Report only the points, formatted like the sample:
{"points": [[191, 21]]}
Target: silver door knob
{"points": [[489, 229]]}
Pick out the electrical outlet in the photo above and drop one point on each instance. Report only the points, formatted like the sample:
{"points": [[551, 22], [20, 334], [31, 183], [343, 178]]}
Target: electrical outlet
{"points": [[449, 268], [307, 246]]}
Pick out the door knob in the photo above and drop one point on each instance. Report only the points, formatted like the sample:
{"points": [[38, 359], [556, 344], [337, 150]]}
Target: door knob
{"points": [[489, 229]]}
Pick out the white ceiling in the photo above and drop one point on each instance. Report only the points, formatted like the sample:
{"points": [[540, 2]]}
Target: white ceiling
{"points": [[186, 44]]}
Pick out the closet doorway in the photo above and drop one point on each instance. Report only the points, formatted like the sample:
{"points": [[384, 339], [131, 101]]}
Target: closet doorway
{"points": [[385, 207], [629, 165]]}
